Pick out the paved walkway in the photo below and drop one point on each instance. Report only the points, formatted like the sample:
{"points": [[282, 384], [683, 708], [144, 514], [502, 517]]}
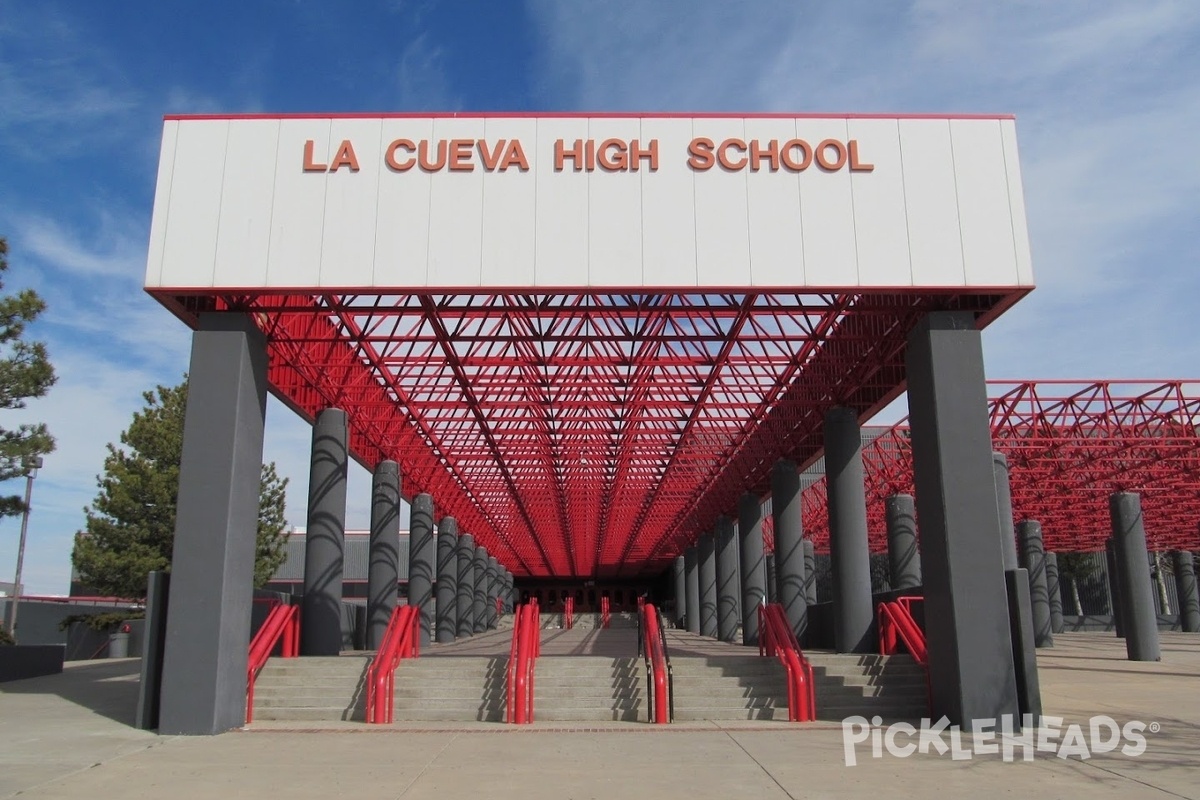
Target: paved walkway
{"points": [[67, 736]]}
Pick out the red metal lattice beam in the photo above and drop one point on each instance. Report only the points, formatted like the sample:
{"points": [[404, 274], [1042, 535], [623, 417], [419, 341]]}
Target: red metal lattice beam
{"points": [[1069, 445]]}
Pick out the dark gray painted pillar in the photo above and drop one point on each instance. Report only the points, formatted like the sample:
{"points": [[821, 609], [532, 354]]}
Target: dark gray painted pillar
{"points": [[153, 640], [1133, 567], [1188, 598], [1004, 511], [1115, 603], [1020, 620], [706, 555], [903, 555], [966, 602], [479, 606], [446, 591], [321, 617], [383, 570], [1033, 559], [677, 568], [772, 583], [810, 573], [422, 558], [790, 567], [216, 524], [849, 553], [728, 584], [1054, 589], [753, 570], [465, 604], [691, 574], [493, 579]]}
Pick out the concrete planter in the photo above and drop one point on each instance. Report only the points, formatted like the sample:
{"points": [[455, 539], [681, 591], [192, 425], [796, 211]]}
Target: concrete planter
{"points": [[18, 662]]}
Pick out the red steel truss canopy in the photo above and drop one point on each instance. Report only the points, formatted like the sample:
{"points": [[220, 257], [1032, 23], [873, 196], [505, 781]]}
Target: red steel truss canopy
{"points": [[586, 433], [587, 335], [1069, 445]]}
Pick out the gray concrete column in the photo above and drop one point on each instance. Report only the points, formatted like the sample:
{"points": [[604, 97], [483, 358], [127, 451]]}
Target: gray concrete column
{"points": [[1188, 598], [849, 553], [465, 602], [422, 559], [479, 606], [493, 578], [903, 555], [383, 569], [729, 588], [790, 567], [1033, 559], [691, 574], [446, 591], [810, 573], [1054, 589], [677, 568], [753, 570], [1133, 568], [962, 570], [321, 617], [706, 555], [1115, 604], [1004, 511], [772, 583], [216, 524]]}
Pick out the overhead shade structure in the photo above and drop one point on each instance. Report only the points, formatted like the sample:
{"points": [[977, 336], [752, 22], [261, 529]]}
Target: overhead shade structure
{"points": [[587, 336]]}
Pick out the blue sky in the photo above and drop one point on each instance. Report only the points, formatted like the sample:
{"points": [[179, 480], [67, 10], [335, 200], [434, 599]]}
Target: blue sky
{"points": [[1107, 98]]}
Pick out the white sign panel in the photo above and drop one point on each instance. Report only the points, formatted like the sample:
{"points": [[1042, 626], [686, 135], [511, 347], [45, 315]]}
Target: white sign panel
{"points": [[573, 202]]}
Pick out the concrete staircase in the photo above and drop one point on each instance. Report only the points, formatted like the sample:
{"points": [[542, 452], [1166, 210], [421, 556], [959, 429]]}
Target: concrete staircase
{"points": [[454, 689], [893, 687], [589, 689], [738, 687], [312, 688]]}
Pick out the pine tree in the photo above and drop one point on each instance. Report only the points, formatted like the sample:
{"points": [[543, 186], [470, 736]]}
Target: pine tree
{"points": [[25, 372], [131, 523]]}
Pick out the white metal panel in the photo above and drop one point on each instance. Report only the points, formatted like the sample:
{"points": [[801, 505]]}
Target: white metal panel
{"points": [[351, 203], [615, 211], [668, 206], [1016, 203], [827, 208], [773, 210], [191, 241], [929, 190], [509, 204], [162, 204], [244, 234], [722, 228], [561, 246], [402, 219], [455, 212], [880, 219], [297, 220], [983, 209]]}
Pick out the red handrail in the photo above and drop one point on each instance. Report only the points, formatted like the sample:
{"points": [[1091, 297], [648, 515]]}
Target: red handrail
{"points": [[523, 653], [401, 640], [569, 613], [897, 625], [776, 638], [605, 616], [653, 648], [282, 623]]}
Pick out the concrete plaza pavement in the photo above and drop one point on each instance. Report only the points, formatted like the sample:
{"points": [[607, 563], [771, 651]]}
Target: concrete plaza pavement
{"points": [[69, 736]]}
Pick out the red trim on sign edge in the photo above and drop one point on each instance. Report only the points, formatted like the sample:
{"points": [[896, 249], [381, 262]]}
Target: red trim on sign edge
{"points": [[573, 115]]}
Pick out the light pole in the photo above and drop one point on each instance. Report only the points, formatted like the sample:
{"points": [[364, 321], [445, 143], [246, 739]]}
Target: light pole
{"points": [[32, 464]]}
